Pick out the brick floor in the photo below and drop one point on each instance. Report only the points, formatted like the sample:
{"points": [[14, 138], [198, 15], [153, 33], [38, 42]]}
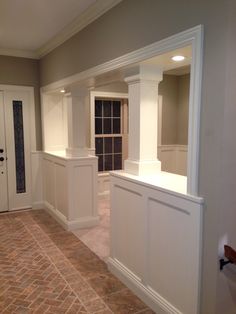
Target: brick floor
{"points": [[45, 269]]}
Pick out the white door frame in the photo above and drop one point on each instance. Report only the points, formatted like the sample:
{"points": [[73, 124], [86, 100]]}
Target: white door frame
{"points": [[30, 90], [15, 88], [193, 37]]}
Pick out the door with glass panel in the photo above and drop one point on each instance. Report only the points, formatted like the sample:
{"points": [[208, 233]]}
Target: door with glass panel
{"points": [[15, 141], [3, 164]]}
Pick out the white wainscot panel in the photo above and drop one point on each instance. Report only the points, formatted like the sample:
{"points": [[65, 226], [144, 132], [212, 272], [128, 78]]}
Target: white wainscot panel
{"points": [[128, 228], [156, 243], [49, 182], [83, 189], [37, 180], [173, 253], [173, 158], [61, 189], [103, 185], [70, 189]]}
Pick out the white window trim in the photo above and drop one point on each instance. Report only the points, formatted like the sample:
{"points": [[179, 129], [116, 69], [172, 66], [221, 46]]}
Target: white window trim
{"points": [[93, 95], [193, 37]]}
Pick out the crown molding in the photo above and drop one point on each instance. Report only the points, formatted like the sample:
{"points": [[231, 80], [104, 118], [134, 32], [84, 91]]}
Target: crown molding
{"points": [[88, 16], [91, 14], [18, 53]]}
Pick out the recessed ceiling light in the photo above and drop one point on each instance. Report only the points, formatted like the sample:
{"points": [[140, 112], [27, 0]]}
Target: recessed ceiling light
{"points": [[62, 90], [178, 58]]}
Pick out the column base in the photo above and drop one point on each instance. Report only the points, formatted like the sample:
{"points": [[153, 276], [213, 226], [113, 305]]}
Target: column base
{"points": [[142, 168], [77, 152]]}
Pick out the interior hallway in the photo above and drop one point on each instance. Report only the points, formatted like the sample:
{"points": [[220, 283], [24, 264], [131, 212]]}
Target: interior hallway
{"points": [[98, 238], [45, 269]]}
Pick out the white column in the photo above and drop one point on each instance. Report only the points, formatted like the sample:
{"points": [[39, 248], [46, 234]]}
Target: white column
{"points": [[77, 123], [143, 120]]}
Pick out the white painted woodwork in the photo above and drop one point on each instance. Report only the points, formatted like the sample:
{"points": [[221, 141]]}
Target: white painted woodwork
{"points": [[156, 240], [3, 164], [143, 112], [7, 167], [103, 185], [18, 200], [93, 95], [37, 180], [70, 189], [76, 103], [192, 37], [173, 158], [54, 122]]}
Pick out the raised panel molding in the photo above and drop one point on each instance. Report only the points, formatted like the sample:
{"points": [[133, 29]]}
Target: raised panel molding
{"points": [[173, 158], [160, 257], [63, 177]]}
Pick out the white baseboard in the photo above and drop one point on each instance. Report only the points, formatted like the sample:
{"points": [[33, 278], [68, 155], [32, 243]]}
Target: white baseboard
{"points": [[104, 195], [38, 205], [156, 302], [20, 208], [85, 222]]}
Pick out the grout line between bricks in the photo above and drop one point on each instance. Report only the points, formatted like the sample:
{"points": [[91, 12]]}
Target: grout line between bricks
{"points": [[61, 252]]}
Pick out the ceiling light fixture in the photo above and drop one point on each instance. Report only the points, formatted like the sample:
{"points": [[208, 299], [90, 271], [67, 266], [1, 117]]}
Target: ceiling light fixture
{"points": [[178, 58], [62, 90]]}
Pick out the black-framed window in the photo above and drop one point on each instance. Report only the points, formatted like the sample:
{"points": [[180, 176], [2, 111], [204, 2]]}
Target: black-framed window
{"points": [[108, 134]]}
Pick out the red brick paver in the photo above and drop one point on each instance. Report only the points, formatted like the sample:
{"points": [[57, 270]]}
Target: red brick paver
{"points": [[45, 269]]}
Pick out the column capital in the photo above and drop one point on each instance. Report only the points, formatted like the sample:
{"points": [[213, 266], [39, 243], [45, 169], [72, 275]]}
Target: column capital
{"points": [[144, 72]]}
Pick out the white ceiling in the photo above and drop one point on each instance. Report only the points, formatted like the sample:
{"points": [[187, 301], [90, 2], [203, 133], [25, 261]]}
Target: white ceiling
{"points": [[29, 25], [165, 62]]}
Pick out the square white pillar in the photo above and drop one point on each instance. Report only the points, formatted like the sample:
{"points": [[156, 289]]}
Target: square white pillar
{"points": [[143, 120], [77, 119]]}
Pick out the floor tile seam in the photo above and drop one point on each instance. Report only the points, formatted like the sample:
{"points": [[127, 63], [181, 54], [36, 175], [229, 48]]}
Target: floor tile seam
{"points": [[70, 306], [58, 271], [142, 311], [82, 276], [116, 292], [82, 303], [14, 299]]}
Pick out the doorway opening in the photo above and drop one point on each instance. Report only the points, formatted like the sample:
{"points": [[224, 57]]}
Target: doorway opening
{"points": [[172, 145], [188, 43]]}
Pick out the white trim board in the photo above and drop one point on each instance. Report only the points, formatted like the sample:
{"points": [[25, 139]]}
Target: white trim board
{"points": [[193, 37], [93, 95], [147, 295], [87, 17], [85, 222], [30, 89]]}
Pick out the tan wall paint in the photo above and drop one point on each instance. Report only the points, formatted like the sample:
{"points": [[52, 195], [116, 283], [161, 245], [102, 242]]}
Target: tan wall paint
{"points": [[227, 149], [22, 71], [136, 23], [183, 105], [168, 89], [175, 102]]}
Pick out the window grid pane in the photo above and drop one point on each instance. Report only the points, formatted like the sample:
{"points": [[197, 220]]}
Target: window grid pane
{"points": [[108, 121]]}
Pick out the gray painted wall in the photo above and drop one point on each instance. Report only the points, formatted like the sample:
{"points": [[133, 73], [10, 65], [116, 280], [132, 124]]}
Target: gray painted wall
{"points": [[22, 71], [168, 89], [183, 105], [135, 23], [175, 103]]}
